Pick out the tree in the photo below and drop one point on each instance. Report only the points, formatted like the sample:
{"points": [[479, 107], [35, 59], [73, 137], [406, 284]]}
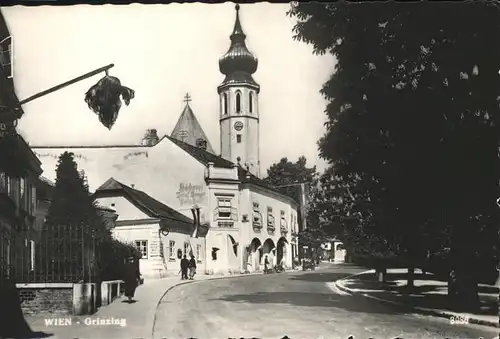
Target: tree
{"points": [[288, 177], [413, 99], [73, 224]]}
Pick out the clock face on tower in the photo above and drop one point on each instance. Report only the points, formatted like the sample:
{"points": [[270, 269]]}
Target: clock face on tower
{"points": [[238, 125]]}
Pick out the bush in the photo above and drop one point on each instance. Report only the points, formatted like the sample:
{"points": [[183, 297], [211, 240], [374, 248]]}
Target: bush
{"points": [[113, 256]]}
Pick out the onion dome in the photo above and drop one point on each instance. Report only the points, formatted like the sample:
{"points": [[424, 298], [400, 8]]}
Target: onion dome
{"points": [[238, 63]]}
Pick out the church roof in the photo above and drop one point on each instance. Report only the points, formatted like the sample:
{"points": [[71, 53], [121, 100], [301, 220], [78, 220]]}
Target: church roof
{"points": [[188, 129], [145, 203]]}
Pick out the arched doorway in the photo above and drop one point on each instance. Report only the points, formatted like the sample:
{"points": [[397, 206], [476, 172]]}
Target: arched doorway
{"points": [[254, 255], [269, 251], [281, 251], [234, 245]]}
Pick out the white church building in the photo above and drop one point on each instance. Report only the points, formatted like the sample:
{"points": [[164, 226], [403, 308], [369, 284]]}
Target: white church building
{"points": [[247, 219]]}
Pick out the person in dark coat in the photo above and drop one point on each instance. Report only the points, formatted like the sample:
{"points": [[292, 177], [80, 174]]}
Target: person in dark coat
{"points": [[184, 267], [132, 277], [192, 267]]}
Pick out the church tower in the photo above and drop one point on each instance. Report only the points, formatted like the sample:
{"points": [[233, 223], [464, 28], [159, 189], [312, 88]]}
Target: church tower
{"points": [[239, 103]]}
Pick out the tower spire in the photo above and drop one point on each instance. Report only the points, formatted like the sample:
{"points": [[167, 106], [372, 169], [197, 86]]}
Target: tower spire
{"points": [[238, 64], [237, 30]]}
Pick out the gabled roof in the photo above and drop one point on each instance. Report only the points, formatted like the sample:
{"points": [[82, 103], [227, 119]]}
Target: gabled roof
{"points": [[205, 157], [188, 129], [145, 203]]}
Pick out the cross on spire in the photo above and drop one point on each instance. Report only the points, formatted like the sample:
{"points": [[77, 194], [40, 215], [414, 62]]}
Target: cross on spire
{"points": [[187, 98]]}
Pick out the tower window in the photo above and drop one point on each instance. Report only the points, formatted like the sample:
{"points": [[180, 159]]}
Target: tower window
{"points": [[224, 104], [250, 102], [238, 102], [238, 138]]}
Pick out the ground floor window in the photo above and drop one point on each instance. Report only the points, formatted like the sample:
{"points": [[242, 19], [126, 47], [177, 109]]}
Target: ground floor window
{"points": [[31, 249], [198, 253], [171, 249], [142, 246], [214, 253]]}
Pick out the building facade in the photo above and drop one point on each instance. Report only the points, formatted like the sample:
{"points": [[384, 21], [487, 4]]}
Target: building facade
{"points": [[248, 219], [19, 171], [162, 234]]}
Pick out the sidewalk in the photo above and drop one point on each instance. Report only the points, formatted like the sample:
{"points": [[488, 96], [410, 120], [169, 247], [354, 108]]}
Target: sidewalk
{"points": [[430, 295], [139, 317]]}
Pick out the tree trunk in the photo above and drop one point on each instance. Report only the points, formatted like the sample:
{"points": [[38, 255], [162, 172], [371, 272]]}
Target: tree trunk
{"points": [[463, 290], [410, 285], [381, 274]]}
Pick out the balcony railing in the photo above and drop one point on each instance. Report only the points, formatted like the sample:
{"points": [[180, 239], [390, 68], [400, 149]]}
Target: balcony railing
{"points": [[271, 229], [284, 227], [225, 214]]}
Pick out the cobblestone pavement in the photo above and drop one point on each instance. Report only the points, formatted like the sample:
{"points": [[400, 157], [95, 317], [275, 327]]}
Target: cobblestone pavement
{"points": [[297, 304]]}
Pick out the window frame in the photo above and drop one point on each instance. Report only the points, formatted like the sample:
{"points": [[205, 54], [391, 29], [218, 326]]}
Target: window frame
{"points": [[8, 66], [33, 201], [32, 255], [250, 102], [282, 220], [238, 102], [198, 253], [224, 103], [256, 215], [270, 218], [22, 193], [223, 207], [141, 246], [171, 250]]}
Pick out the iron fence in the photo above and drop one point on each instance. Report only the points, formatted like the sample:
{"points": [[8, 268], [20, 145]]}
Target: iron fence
{"points": [[55, 254]]}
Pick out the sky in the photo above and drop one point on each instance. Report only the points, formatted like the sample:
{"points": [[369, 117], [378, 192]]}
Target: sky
{"points": [[163, 52]]}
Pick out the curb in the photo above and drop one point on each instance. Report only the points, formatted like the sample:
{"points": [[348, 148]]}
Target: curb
{"points": [[416, 309], [152, 313]]}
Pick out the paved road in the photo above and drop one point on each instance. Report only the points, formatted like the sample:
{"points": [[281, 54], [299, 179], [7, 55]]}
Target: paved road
{"points": [[298, 304]]}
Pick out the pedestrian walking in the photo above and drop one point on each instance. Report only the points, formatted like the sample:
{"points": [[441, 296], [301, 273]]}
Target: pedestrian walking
{"points": [[132, 277], [266, 263], [184, 268], [192, 267]]}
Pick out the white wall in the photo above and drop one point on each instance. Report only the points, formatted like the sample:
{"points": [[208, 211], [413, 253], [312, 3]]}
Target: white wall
{"points": [[152, 265], [158, 171], [265, 198], [217, 237], [123, 207], [248, 149], [172, 262]]}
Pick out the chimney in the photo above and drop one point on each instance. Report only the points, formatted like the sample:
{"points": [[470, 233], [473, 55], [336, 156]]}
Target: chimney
{"points": [[201, 143], [150, 138]]}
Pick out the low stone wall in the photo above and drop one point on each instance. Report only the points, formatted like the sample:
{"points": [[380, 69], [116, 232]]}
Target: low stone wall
{"points": [[39, 299]]}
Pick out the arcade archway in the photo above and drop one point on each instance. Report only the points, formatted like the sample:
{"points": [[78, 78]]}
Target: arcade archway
{"points": [[281, 251], [254, 255], [269, 251]]}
